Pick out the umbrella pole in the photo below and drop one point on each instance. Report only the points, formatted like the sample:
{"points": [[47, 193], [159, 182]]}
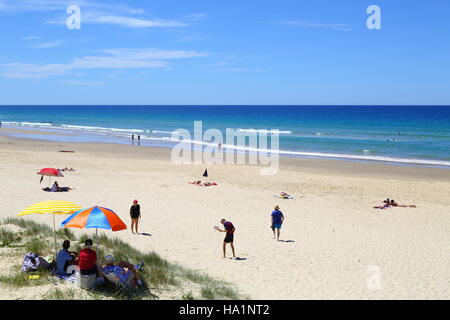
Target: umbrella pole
{"points": [[54, 233], [96, 234]]}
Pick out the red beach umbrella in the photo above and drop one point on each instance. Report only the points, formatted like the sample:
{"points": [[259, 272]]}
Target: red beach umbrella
{"points": [[49, 172]]}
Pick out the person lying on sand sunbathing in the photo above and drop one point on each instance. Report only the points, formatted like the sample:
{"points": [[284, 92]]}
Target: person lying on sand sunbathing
{"points": [[126, 277], [395, 204], [67, 169], [391, 203], [56, 188], [284, 195], [385, 205], [205, 184]]}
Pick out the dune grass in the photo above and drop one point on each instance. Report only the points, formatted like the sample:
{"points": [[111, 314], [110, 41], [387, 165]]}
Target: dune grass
{"points": [[158, 274], [8, 238], [19, 279]]}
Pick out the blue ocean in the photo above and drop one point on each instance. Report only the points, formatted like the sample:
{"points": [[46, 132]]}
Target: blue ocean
{"points": [[414, 135]]}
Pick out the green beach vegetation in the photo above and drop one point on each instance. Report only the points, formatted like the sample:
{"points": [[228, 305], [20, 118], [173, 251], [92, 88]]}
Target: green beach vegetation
{"points": [[161, 278]]}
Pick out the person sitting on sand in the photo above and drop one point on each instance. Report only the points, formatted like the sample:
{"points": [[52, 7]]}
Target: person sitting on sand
{"points": [[395, 204], [229, 237], [65, 258], [87, 259], [124, 271], [56, 188]]}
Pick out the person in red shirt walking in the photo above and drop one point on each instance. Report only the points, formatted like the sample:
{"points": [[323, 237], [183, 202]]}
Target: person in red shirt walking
{"points": [[87, 259], [229, 237]]}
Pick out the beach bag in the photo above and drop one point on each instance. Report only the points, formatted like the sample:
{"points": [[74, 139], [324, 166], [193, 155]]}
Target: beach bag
{"points": [[32, 262]]}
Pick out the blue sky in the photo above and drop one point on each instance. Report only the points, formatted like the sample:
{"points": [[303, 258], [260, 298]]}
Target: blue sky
{"points": [[224, 52]]}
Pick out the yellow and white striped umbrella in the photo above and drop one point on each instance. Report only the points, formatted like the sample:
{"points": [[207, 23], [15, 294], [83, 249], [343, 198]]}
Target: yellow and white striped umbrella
{"points": [[53, 207]]}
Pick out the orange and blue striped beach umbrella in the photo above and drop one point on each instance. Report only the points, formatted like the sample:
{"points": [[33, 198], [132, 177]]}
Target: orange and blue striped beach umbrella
{"points": [[95, 217]]}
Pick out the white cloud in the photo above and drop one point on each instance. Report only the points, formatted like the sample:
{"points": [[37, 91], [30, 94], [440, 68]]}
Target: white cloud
{"points": [[91, 12], [129, 22], [309, 24], [139, 54], [81, 83], [219, 64], [112, 59], [196, 16], [50, 44], [237, 70], [44, 5], [29, 38]]}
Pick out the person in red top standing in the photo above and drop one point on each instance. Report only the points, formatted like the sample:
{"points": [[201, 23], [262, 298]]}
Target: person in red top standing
{"points": [[87, 259], [229, 237]]}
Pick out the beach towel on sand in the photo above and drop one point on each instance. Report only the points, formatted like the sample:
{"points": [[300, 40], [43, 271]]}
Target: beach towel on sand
{"points": [[211, 184], [283, 197], [66, 277]]}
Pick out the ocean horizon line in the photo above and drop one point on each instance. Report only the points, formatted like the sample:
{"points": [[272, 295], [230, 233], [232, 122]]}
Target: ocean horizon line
{"points": [[418, 134]]}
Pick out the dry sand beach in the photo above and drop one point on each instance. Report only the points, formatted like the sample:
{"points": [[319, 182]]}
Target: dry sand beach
{"points": [[332, 235]]}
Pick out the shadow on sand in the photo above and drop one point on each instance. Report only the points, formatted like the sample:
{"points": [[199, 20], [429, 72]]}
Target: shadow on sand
{"points": [[144, 234]]}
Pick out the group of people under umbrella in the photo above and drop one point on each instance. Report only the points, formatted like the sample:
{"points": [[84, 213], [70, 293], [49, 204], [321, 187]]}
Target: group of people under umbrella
{"points": [[95, 217]]}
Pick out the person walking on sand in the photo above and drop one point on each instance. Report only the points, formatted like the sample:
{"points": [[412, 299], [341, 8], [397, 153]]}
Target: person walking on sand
{"points": [[229, 237], [135, 214], [277, 220]]}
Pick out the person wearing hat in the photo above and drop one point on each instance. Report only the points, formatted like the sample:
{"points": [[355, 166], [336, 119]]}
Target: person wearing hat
{"points": [[277, 220], [123, 270], [87, 259], [135, 214]]}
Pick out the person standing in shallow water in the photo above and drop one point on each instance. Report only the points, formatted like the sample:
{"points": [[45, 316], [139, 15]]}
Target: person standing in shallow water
{"points": [[135, 214], [132, 139]]}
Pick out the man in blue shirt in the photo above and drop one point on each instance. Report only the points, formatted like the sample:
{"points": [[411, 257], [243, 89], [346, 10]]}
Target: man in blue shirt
{"points": [[64, 258], [277, 221]]}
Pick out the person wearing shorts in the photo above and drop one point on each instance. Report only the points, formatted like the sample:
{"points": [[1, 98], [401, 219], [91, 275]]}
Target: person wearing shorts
{"points": [[135, 214], [277, 220], [229, 237]]}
